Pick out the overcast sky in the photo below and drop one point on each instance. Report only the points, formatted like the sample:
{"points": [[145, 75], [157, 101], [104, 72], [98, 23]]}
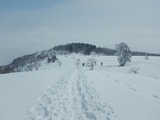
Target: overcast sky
{"points": [[27, 26]]}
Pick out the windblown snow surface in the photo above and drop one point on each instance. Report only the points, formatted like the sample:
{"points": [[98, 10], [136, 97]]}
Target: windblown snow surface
{"points": [[109, 92]]}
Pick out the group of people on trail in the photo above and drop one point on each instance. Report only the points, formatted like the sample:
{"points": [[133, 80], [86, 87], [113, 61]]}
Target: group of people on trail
{"points": [[83, 64]]}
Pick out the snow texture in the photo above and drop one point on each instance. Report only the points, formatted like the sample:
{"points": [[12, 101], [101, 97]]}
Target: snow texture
{"points": [[108, 92], [71, 98]]}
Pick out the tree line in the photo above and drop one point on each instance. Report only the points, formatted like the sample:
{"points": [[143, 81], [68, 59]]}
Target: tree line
{"points": [[32, 61], [86, 49]]}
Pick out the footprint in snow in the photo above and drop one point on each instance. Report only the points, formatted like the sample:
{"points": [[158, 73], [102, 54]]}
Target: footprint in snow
{"points": [[107, 76], [116, 81], [155, 77], [127, 84], [155, 96], [133, 89], [71, 98]]}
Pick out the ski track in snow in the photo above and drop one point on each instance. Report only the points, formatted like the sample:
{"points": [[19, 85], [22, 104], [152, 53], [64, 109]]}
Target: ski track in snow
{"points": [[71, 98]]}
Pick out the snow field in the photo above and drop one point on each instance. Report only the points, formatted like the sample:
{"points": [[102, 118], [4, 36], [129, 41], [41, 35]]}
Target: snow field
{"points": [[130, 99], [71, 98], [108, 92]]}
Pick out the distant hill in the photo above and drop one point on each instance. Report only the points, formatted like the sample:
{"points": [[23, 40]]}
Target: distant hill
{"points": [[86, 49], [28, 62], [83, 48]]}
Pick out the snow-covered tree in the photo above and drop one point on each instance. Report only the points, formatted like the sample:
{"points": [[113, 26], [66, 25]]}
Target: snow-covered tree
{"points": [[134, 70], [59, 62], [51, 57], [34, 65], [146, 57], [29, 67], [91, 63], [123, 53]]}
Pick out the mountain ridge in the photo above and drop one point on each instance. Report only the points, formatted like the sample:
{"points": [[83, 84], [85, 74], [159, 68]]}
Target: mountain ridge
{"points": [[28, 62]]}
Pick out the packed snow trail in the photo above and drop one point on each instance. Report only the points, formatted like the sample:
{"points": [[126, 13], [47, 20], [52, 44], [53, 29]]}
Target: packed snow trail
{"points": [[71, 98]]}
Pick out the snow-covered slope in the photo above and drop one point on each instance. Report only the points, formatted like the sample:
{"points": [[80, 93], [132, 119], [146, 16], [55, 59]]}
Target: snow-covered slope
{"points": [[108, 92]]}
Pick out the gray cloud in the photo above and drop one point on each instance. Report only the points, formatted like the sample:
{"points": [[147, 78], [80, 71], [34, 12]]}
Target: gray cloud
{"points": [[100, 22]]}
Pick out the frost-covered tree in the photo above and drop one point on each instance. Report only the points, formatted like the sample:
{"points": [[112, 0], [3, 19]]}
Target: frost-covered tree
{"points": [[133, 70], [123, 53], [146, 57], [33, 66], [59, 62], [29, 67], [91, 63], [51, 57], [36, 65]]}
